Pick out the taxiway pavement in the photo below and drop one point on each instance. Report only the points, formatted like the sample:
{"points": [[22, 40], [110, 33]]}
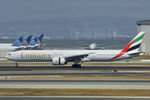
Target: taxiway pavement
{"points": [[89, 84], [70, 98], [29, 68], [76, 74]]}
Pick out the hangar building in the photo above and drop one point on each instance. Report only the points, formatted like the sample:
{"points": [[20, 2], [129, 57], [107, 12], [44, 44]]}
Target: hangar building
{"points": [[144, 25]]}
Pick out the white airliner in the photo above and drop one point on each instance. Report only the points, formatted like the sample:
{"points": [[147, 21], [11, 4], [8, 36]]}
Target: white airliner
{"points": [[21, 44], [14, 46], [62, 57]]}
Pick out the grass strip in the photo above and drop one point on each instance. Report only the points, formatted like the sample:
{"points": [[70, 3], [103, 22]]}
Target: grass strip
{"points": [[74, 92]]}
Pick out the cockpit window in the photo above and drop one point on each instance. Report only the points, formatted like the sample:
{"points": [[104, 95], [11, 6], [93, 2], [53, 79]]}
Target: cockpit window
{"points": [[9, 54]]}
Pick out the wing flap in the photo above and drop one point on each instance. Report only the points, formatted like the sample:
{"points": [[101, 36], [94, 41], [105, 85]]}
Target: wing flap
{"points": [[76, 57]]}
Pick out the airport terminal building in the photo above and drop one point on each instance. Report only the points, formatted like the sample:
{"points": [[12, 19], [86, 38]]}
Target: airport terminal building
{"points": [[144, 25]]}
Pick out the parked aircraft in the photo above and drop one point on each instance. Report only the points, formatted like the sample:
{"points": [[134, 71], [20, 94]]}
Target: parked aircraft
{"points": [[36, 42], [21, 44], [26, 42], [9, 46], [62, 57], [18, 44]]}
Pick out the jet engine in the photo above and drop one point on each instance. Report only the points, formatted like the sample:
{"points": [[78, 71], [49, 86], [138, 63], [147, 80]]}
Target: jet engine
{"points": [[58, 61]]}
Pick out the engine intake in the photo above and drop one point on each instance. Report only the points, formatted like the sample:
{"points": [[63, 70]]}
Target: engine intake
{"points": [[58, 61]]}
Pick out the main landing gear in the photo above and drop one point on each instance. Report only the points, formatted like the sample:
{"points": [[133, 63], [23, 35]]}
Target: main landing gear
{"points": [[76, 65], [16, 64]]}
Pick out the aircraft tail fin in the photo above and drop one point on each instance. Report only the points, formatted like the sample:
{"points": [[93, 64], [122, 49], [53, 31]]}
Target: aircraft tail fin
{"points": [[36, 41], [29, 39], [18, 41], [21, 38], [41, 37], [33, 42], [133, 46]]}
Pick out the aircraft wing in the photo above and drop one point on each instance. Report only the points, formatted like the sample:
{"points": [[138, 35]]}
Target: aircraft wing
{"points": [[23, 48], [29, 47], [76, 57], [35, 47]]}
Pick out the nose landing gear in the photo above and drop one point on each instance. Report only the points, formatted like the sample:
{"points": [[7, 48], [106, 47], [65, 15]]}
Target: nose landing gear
{"points": [[76, 65]]}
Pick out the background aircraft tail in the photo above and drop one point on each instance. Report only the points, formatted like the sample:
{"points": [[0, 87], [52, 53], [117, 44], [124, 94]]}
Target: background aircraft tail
{"points": [[33, 42], [18, 42], [39, 39], [36, 40], [27, 41]]}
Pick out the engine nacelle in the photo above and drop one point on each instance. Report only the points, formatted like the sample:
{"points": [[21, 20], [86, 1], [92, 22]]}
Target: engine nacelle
{"points": [[58, 61]]}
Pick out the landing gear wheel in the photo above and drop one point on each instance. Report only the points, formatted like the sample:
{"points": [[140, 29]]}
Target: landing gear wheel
{"points": [[76, 65]]}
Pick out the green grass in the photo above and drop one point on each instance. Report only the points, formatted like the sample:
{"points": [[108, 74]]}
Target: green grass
{"points": [[74, 92]]}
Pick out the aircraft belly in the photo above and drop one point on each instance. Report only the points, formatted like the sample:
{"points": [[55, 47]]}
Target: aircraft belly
{"points": [[101, 57]]}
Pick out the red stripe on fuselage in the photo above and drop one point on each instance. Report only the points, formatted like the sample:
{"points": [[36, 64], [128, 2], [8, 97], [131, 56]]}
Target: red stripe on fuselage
{"points": [[123, 51]]}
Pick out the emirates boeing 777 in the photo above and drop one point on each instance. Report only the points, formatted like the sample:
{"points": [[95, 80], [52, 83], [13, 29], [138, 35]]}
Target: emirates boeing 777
{"points": [[62, 57]]}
